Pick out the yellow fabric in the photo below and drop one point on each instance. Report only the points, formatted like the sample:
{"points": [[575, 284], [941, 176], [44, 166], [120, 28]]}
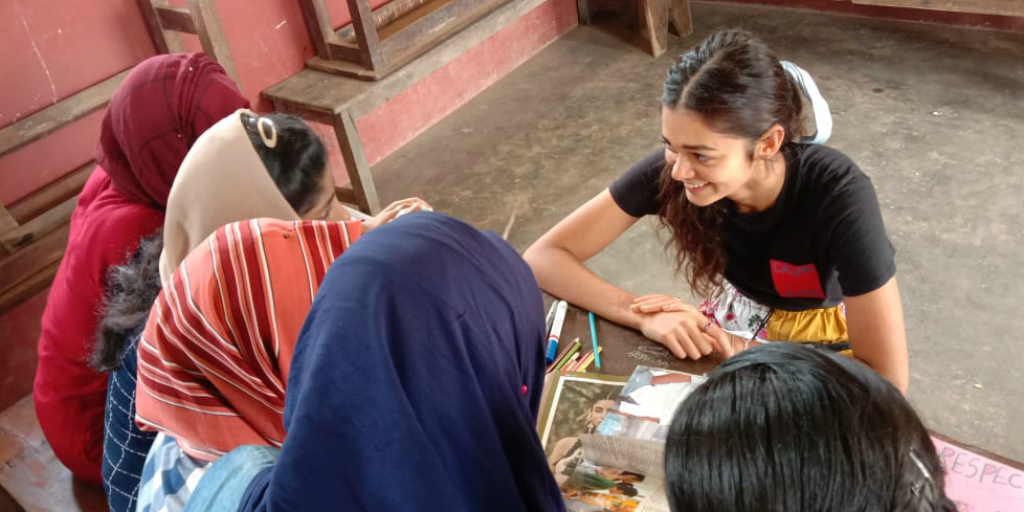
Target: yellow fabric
{"points": [[815, 325]]}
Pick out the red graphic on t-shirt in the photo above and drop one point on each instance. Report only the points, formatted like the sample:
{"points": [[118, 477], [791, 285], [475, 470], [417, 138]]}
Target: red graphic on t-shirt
{"points": [[796, 280]]}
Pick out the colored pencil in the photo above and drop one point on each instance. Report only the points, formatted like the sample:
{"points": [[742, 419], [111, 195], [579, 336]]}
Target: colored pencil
{"points": [[586, 364], [571, 362], [593, 336], [583, 357], [561, 355], [572, 351]]}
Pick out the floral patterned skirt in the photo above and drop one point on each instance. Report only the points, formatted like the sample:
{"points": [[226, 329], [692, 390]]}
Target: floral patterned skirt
{"points": [[743, 317]]}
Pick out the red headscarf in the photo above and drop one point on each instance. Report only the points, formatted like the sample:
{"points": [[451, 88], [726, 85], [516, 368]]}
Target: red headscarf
{"points": [[156, 115]]}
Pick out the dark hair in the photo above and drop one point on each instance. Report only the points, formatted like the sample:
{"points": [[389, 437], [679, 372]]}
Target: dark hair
{"points": [[298, 160], [738, 87], [626, 489], [129, 294], [795, 428], [638, 476]]}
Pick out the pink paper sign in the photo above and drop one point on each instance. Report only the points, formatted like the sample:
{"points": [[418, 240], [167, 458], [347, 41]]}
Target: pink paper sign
{"points": [[980, 484]]}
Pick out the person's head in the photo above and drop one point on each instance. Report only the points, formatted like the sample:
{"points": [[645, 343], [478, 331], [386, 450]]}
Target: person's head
{"points": [[296, 159], [164, 104], [375, 326], [790, 427], [624, 489], [621, 476], [247, 166], [599, 410], [728, 107]]}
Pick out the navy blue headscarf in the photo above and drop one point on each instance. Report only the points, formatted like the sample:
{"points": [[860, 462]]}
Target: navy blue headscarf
{"points": [[416, 380]]}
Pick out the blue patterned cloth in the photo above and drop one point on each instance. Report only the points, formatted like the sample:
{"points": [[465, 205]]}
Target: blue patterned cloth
{"points": [[124, 445], [169, 477]]}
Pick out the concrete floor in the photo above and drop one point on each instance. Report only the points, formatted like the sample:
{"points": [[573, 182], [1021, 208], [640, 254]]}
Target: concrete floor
{"points": [[934, 114]]}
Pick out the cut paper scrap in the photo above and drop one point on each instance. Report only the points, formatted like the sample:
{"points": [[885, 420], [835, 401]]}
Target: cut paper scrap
{"points": [[980, 484]]}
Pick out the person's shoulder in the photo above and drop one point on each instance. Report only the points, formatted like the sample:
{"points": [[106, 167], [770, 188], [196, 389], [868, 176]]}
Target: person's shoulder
{"points": [[828, 169]]}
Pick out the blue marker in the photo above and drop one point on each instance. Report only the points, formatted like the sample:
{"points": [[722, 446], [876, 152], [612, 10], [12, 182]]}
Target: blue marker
{"points": [[556, 331]]}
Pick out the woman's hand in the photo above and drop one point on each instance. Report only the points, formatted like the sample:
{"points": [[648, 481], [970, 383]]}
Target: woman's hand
{"points": [[688, 334], [395, 210], [658, 303]]}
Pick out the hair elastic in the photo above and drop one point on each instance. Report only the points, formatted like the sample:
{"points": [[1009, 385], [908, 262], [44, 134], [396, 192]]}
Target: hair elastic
{"points": [[270, 141]]}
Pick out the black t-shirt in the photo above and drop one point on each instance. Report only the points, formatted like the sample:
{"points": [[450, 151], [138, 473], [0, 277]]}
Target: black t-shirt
{"points": [[822, 240]]}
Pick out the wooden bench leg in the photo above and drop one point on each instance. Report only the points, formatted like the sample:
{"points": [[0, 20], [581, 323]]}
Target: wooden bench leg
{"points": [[681, 19], [355, 162], [656, 19], [583, 10]]}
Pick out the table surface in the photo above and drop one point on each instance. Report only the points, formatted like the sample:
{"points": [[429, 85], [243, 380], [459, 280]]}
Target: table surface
{"points": [[624, 349]]}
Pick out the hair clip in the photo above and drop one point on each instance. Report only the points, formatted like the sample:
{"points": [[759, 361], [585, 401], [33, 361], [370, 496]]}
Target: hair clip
{"points": [[270, 141], [917, 486]]}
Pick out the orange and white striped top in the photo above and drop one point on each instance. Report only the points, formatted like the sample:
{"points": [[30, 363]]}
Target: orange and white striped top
{"points": [[215, 354]]}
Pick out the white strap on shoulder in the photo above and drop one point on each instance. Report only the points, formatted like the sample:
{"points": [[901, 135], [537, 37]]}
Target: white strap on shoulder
{"points": [[822, 115]]}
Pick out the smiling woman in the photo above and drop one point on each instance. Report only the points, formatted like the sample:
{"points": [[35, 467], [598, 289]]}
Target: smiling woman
{"points": [[783, 238]]}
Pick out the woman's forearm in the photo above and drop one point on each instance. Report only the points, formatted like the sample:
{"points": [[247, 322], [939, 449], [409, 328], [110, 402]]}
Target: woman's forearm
{"points": [[559, 273]]}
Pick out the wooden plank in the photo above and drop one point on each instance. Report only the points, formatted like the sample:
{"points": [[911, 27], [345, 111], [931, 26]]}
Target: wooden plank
{"points": [[39, 481], [656, 17], [51, 195], [395, 9], [344, 50], [358, 168], [443, 53], [212, 37], [417, 33], [163, 42], [19, 266], [177, 20], [34, 229], [383, 16], [50, 119], [366, 33], [583, 11], [7, 222], [345, 194], [681, 18], [428, 17], [350, 68], [28, 288], [318, 23], [316, 95], [992, 7]]}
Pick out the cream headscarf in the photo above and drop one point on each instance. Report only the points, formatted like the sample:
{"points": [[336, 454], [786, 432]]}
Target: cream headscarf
{"points": [[221, 180]]}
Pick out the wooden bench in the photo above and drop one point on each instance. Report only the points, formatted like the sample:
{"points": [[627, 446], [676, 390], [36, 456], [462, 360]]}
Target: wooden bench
{"points": [[380, 41], [653, 18], [991, 7], [34, 230], [339, 101], [31, 477]]}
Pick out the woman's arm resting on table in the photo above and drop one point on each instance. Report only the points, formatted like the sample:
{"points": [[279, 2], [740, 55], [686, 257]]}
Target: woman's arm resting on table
{"points": [[878, 336], [557, 260]]}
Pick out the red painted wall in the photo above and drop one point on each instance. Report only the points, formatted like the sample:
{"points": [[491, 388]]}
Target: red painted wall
{"points": [[55, 48]]}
